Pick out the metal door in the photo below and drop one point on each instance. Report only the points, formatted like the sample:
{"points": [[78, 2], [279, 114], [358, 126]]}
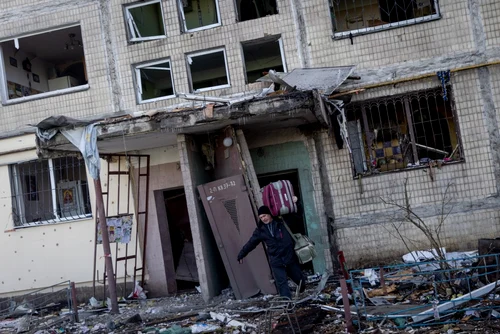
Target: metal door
{"points": [[229, 210]]}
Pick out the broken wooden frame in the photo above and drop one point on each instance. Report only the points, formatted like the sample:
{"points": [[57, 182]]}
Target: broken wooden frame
{"points": [[463, 286], [145, 21], [358, 17], [154, 81], [402, 131]]}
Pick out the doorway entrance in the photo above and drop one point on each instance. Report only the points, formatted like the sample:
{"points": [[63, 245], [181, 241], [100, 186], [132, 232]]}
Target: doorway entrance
{"points": [[296, 220], [181, 239]]}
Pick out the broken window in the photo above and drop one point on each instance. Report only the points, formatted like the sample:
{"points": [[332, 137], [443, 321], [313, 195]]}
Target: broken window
{"points": [[42, 63], [199, 14], [262, 55], [254, 9], [208, 70], [352, 17], [402, 132], [145, 21], [154, 81], [49, 191]]}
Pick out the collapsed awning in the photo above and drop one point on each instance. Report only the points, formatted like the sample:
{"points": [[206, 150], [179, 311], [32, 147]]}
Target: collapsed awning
{"points": [[325, 80]]}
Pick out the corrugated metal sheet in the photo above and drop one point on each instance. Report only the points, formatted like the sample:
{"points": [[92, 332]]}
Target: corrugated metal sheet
{"points": [[324, 79]]}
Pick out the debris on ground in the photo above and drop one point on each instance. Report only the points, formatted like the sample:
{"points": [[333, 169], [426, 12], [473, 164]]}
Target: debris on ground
{"points": [[422, 294]]}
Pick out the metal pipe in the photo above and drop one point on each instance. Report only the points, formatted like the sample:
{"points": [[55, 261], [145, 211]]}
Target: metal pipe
{"points": [[202, 98], [347, 307], [106, 246], [73, 302]]}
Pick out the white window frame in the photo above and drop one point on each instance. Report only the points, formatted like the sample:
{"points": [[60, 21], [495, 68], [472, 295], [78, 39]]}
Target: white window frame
{"points": [[4, 96], [282, 53], [210, 26], [133, 32], [405, 23], [138, 79], [201, 53], [53, 189]]}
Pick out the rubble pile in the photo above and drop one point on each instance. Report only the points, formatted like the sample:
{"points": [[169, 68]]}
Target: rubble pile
{"points": [[424, 294]]}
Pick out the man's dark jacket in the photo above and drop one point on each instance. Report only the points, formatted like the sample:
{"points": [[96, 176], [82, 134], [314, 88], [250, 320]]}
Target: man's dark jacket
{"points": [[279, 248]]}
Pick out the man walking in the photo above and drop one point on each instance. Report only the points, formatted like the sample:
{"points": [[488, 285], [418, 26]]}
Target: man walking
{"points": [[279, 244]]}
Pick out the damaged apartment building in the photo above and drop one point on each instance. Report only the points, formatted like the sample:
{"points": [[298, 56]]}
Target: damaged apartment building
{"points": [[195, 105]]}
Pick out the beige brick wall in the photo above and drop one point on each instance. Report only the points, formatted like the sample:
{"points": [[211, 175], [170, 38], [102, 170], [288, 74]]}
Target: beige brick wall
{"points": [[391, 46], [357, 201], [35, 16], [229, 35], [490, 11], [450, 34]]}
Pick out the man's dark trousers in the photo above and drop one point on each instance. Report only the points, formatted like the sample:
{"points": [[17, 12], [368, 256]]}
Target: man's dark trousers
{"points": [[280, 276]]}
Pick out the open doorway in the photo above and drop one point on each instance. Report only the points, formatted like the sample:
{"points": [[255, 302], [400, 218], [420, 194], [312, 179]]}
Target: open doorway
{"points": [[181, 239], [296, 221]]}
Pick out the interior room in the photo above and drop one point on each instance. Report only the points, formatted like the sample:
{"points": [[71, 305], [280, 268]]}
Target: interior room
{"points": [[44, 62]]}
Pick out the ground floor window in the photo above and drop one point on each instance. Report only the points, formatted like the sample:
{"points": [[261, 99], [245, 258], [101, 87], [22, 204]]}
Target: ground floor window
{"points": [[403, 131], [49, 191]]}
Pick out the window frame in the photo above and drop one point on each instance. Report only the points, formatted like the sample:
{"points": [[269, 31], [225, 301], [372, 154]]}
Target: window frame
{"points": [[406, 99], [210, 26], [201, 53], [4, 96], [138, 80], [276, 38], [17, 194], [387, 26], [131, 24]]}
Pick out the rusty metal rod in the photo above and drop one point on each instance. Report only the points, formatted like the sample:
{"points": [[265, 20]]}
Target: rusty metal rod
{"points": [[347, 307], [106, 246]]}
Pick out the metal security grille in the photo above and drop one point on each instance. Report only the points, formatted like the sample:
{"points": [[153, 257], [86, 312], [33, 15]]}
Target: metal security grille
{"points": [[230, 206], [49, 191], [403, 131], [370, 15]]}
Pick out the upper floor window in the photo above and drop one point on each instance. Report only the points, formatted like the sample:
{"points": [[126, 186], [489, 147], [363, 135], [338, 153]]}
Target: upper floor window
{"points": [[49, 191], [199, 14], [355, 17], [42, 64], [145, 21], [411, 130], [262, 55], [208, 70], [154, 81], [250, 9]]}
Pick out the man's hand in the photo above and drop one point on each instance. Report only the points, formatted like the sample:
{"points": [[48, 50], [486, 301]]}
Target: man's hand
{"points": [[240, 261]]}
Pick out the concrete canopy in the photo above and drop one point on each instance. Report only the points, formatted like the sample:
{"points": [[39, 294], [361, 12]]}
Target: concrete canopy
{"points": [[130, 134]]}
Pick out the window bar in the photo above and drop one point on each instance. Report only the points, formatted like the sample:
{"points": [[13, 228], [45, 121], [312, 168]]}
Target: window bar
{"points": [[442, 118], [369, 138], [410, 129], [53, 187], [21, 220]]}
